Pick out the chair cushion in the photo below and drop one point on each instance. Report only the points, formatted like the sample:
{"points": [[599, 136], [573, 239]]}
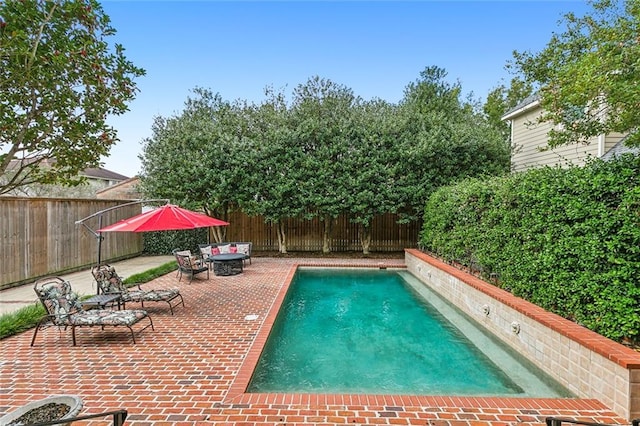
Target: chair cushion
{"points": [[156, 295], [60, 300], [243, 248], [108, 280], [225, 248], [107, 317]]}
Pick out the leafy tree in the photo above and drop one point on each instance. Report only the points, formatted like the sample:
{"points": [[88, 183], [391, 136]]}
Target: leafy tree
{"points": [[444, 139], [193, 158], [372, 164], [59, 80], [588, 76], [321, 118], [275, 189], [501, 99]]}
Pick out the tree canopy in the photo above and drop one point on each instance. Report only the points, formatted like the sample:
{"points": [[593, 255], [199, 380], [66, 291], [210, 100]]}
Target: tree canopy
{"points": [[588, 76], [323, 154], [501, 99], [59, 81]]}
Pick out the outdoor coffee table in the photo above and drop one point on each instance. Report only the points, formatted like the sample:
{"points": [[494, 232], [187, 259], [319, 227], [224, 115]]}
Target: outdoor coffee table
{"points": [[101, 301], [227, 264]]}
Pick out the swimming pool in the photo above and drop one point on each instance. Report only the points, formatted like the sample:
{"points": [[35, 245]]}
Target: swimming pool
{"points": [[382, 331]]}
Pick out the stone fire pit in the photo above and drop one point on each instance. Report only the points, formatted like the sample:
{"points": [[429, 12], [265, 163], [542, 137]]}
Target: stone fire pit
{"points": [[55, 407]]}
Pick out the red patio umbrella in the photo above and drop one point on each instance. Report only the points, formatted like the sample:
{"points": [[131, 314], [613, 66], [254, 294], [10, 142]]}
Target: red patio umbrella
{"points": [[166, 218]]}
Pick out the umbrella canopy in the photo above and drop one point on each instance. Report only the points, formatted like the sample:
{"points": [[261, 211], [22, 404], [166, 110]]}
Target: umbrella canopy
{"points": [[166, 218]]}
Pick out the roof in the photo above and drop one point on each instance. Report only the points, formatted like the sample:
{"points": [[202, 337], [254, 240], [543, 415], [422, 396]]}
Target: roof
{"points": [[529, 102], [619, 149], [92, 172], [100, 173], [125, 190]]}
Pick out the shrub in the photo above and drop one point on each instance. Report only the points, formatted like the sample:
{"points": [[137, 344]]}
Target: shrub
{"points": [[567, 240], [163, 242]]}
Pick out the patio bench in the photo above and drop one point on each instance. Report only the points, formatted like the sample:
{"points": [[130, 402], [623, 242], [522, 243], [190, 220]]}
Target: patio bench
{"points": [[212, 249]]}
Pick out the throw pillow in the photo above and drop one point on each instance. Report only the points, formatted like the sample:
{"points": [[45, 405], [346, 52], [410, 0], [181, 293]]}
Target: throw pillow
{"points": [[243, 248], [233, 249], [206, 250], [215, 251], [226, 248]]}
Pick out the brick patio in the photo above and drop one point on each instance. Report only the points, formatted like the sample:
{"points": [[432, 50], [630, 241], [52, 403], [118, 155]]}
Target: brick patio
{"points": [[194, 367]]}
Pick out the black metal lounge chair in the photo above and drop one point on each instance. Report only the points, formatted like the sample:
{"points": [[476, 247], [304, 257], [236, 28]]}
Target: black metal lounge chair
{"points": [[65, 310], [109, 282]]}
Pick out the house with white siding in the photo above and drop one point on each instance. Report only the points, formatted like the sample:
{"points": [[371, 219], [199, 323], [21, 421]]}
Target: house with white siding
{"points": [[529, 141]]}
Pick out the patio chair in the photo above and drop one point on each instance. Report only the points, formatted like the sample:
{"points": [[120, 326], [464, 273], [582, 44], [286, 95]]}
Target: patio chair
{"points": [[65, 310], [109, 282], [190, 264]]}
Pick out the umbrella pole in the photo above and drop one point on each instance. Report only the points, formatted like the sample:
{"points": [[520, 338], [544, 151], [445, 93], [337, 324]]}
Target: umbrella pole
{"points": [[100, 237]]}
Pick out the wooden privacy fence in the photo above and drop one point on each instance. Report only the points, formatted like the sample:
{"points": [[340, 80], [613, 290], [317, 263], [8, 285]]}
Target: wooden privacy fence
{"points": [[39, 236], [306, 235]]}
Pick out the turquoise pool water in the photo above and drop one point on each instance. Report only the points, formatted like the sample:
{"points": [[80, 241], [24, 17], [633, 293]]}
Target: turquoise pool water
{"points": [[368, 331]]}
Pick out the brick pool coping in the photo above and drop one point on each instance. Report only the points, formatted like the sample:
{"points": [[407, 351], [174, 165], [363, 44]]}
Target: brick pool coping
{"points": [[194, 367]]}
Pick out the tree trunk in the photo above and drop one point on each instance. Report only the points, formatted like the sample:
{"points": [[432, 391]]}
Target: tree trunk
{"points": [[365, 238], [326, 235], [282, 236], [217, 234]]}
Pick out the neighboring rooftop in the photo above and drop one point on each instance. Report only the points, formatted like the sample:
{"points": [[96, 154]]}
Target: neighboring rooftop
{"points": [[100, 173], [526, 104], [619, 149], [125, 190], [97, 178]]}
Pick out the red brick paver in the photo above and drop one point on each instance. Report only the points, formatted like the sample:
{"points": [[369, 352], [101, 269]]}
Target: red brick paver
{"points": [[194, 367]]}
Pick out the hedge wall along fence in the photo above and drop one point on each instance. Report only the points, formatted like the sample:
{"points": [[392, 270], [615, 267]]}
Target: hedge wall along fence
{"points": [[567, 240], [164, 242]]}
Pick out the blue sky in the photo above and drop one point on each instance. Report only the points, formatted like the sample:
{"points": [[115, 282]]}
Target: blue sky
{"points": [[376, 48]]}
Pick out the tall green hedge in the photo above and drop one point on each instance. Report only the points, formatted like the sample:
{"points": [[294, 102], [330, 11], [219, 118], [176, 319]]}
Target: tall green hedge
{"points": [[164, 242], [567, 240]]}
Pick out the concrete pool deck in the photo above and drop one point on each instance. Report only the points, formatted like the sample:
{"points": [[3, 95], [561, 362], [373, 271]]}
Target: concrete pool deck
{"points": [[194, 367]]}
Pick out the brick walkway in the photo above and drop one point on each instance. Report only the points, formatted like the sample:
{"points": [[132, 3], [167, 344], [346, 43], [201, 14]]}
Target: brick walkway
{"points": [[193, 368]]}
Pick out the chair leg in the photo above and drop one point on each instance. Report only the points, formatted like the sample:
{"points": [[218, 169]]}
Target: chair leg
{"points": [[40, 323], [133, 337], [180, 302], [33, 339], [73, 334]]}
